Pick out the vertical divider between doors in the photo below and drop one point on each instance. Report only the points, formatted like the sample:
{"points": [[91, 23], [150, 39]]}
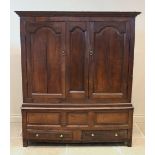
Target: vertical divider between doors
{"points": [[91, 48], [64, 58], [87, 59], [67, 58]]}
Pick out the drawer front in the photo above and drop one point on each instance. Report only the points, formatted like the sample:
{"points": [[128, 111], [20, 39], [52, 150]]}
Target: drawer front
{"points": [[50, 135], [109, 135]]}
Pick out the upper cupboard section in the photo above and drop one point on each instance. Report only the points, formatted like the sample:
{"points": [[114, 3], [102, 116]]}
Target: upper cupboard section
{"points": [[66, 57]]}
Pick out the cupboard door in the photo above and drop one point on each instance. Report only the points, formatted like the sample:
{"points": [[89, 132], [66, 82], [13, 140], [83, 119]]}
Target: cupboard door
{"points": [[77, 60], [109, 61], [46, 61]]}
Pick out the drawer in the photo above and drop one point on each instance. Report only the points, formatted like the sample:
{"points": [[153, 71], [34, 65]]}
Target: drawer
{"points": [[108, 135], [49, 135]]}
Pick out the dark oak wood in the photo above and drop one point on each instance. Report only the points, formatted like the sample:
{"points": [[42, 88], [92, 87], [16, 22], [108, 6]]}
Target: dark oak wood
{"points": [[110, 135], [77, 76], [73, 13], [51, 135], [77, 62], [109, 61], [46, 60]]}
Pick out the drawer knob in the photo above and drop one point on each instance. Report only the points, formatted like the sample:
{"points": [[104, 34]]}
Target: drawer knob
{"points": [[116, 134], [61, 136], [92, 134], [63, 53], [37, 135], [91, 52]]}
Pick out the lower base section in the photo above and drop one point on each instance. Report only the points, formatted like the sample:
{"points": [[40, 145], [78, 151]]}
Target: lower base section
{"points": [[85, 125]]}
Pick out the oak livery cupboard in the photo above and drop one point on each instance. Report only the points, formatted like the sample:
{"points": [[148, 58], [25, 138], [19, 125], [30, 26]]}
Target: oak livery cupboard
{"points": [[77, 76]]}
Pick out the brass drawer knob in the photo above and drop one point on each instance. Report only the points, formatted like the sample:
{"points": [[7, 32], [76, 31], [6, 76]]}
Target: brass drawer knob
{"points": [[116, 134], [92, 134], [63, 52], [91, 52], [61, 136], [37, 135]]}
